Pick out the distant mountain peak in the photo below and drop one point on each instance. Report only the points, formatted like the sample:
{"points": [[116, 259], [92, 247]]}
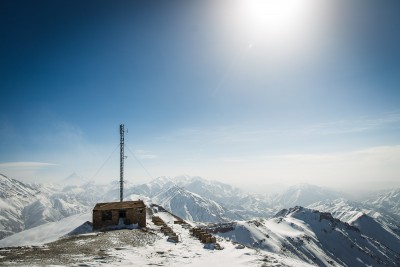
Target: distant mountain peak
{"points": [[74, 179], [305, 214], [305, 194], [191, 206]]}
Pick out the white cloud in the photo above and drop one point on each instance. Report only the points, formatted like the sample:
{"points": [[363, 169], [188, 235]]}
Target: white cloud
{"points": [[25, 165], [26, 171]]}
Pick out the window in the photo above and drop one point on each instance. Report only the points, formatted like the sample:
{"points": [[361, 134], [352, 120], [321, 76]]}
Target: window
{"points": [[106, 215]]}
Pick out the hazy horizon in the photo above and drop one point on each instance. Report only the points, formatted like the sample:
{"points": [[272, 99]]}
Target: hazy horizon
{"points": [[352, 193], [245, 92]]}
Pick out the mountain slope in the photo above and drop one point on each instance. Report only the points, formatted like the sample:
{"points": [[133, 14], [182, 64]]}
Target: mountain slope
{"points": [[47, 232], [304, 195], [314, 237], [24, 206], [244, 204], [388, 201], [348, 211], [193, 207], [14, 196], [370, 227], [132, 248]]}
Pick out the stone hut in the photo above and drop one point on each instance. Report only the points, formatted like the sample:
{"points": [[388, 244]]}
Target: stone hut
{"points": [[119, 213]]}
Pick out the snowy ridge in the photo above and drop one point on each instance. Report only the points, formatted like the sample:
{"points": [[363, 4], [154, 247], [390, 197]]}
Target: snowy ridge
{"points": [[12, 188], [46, 233], [14, 196], [378, 231], [244, 204], [193, 207], [387, 201], [349, 211], [314, 237], [304, 195], [293, 237], [155, 186], [24, 206], [247, 205], [114, 251]]}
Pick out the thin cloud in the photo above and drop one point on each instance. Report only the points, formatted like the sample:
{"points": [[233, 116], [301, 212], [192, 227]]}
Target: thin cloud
{"points": [[25, 165], [379, 153], [244, 134], [148, 156], [362, 124], [142, 154]]}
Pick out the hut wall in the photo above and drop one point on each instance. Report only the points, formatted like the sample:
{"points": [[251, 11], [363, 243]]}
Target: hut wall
{"points": [[133, 216]]}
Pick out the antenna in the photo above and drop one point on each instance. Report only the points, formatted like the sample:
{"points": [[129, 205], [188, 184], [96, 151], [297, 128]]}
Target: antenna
{"points": [[121, 161]]}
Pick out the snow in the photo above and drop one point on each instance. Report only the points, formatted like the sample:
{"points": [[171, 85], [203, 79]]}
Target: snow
{"points": [[316, 237], [46, 233], [4, 205], [193, 207], [299, 237], [304, 195], [370, 227], [349, 211], [23, 206], [295, 237], [191, 252], [388, 200], [285, 228], [192, 198]]}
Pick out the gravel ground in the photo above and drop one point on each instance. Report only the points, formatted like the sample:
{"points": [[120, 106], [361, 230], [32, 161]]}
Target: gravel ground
{"points": [[76, 250]]}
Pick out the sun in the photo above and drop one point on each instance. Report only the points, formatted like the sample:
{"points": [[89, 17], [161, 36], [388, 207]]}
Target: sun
{"points": [[278, 20]]}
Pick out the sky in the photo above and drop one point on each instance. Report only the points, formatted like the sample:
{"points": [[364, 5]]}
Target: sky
{"points": [[247, 92]]}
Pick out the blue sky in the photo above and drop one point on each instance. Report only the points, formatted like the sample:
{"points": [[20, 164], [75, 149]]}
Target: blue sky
{"points": [[255, 92]]}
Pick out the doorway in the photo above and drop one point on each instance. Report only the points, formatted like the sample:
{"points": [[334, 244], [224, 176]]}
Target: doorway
{"points": [[122, 216]]}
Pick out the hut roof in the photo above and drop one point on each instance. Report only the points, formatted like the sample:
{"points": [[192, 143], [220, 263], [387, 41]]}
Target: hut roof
{"points": [[119, 205]]}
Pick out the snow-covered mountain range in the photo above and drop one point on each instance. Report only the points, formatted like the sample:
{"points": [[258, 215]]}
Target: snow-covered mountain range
{"points": [[191, 206], [193, 198], [69, 243], [14, 197], [386, 201], [318, 238], [347, 211], [293, 237], [23, 206]]}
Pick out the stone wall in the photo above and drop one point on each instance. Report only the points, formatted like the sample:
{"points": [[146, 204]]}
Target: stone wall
{"points": [[133, 216]]}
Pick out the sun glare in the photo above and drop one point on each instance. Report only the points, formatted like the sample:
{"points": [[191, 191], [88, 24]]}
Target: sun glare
{"points": [[284, 25], [273, 17]]}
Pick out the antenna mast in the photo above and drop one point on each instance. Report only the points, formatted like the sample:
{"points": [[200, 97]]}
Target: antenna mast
{"points": [[121, 161]]}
